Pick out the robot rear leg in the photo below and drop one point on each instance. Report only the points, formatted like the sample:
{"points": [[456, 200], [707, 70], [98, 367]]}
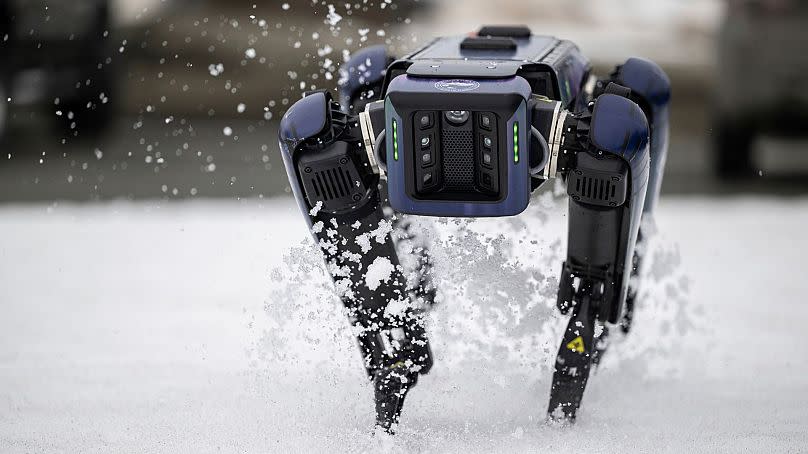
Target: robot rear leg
{"points": [[651, 90]]}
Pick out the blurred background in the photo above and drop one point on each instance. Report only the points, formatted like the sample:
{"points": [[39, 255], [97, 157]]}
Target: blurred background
{"points": [[153, 263], [164, 99]]}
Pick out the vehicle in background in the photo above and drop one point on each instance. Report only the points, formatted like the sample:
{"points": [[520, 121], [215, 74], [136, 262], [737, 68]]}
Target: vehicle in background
{"points": [[762, 75], [56, 53]]}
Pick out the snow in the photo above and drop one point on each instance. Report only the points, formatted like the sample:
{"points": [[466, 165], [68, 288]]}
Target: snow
{"points": [[379, 271], [210, 327]]}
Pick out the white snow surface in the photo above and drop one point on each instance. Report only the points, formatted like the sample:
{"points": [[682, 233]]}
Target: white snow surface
{"points": [[211, 327]]}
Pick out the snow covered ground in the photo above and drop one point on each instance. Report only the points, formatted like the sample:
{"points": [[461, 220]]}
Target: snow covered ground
{"points": [[209, 327]]}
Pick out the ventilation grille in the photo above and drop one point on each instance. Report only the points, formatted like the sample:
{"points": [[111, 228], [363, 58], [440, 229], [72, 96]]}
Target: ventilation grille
{"points": [[330, 184], [330, 177], [458, 160], [597, 188]]}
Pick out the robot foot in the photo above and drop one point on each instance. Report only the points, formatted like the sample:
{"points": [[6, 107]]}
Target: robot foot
{"points": [[573, 363], [391, 386]]}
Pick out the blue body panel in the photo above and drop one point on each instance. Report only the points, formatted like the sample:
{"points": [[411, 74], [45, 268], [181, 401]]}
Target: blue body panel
{"points": [[619, 127], [306, 118], [571, 73]]}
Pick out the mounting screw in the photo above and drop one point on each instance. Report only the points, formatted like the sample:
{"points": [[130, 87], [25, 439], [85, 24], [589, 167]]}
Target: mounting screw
{"points": [[356, 197], [343, 161], [578, 172], [307, 170], [615, 178]]}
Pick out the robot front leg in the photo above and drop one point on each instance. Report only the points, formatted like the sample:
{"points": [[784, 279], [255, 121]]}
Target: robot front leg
{"points": [[342, 201], [606, 183]]}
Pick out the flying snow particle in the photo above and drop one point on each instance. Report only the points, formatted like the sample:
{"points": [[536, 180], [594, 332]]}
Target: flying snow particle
{"points": [[317, 207], [379, 234], [379, 271], [228, 131], [215, 69], [241, 107], [325, 50], [249, 53], [396, 308], [333, 18]]}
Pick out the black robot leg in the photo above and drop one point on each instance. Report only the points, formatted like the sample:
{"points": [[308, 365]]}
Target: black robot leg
{"points": [[607, 187], [342, 202]]}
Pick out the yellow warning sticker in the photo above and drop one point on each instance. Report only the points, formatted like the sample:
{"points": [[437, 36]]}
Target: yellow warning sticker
{"points": [[576, 345]]}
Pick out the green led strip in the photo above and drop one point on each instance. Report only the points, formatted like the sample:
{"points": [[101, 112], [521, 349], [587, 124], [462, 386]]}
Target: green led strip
{"points": [[395, 140], [516, 142]]}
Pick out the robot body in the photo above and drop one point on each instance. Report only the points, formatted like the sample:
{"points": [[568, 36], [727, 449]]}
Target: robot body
{"points": [[470, 126]]}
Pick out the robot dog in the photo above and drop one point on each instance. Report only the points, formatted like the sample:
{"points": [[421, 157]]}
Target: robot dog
{"points": [[471, 126]]}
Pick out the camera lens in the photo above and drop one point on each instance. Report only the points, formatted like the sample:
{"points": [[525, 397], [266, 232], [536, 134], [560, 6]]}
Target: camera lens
{"points": [[457, 117]]}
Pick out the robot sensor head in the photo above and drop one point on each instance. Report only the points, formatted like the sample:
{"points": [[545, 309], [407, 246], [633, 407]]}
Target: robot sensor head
{"points": [[457, 147]]}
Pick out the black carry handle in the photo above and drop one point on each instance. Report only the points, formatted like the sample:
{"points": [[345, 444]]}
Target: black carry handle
{"points": [[510, 31], [501, 44]]}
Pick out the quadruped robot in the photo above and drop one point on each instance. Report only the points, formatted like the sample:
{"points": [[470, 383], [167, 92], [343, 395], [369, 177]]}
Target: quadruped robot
{"points": [[471, 126]]}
